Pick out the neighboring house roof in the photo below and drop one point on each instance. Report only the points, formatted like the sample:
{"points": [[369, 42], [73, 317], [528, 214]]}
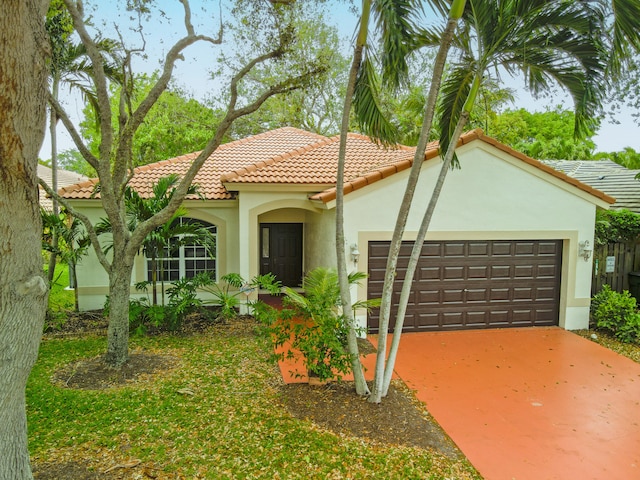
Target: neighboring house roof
{"points": [[289, 156], [607, 176], [65, 178]]}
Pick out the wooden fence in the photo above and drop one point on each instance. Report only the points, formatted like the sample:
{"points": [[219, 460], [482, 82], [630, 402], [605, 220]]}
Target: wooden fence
{"points": [[612, 264]]}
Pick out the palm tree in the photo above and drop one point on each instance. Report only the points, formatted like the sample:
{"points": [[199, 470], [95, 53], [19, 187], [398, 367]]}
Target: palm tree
{"points": [[393, 21], [70, 66], [171, 234], [73, 247], [455, 12], [547, 42]]}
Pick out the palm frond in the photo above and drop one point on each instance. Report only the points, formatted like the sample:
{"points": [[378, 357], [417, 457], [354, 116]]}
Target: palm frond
{"points": [[369, 115], [454, 93], [394, 22]]}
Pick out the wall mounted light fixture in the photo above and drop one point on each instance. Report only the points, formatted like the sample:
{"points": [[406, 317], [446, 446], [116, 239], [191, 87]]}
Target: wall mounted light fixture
{"points": [[585, 250], [355, 253]]}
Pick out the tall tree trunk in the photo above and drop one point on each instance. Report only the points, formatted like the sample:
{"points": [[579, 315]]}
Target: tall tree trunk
{"points": [[343, 280], [23, 289], [53, 122], [118, 331], [416, 251], [457, 8]]}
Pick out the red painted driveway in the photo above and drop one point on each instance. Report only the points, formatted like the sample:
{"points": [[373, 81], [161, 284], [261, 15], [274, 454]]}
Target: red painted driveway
{"points": [[534, 403]]}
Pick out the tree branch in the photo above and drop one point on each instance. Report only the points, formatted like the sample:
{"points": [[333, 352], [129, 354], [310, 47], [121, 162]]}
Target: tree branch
{"points": [[77, 139], [93, 236]]}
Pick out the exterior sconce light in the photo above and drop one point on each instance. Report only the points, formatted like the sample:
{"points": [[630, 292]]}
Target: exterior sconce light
{"points": [[584, 250], [355, 253]]}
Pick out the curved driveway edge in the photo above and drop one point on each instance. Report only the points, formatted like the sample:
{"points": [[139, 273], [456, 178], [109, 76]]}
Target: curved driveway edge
{"points": [[529, 403]]}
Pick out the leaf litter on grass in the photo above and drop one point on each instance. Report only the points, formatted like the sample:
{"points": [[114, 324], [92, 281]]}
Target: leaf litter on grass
{"points": [[237, 423]]}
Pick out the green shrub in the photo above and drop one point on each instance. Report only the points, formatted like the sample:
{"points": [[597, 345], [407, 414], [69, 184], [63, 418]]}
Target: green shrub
{"points": [[312, 324], [616, 313]]}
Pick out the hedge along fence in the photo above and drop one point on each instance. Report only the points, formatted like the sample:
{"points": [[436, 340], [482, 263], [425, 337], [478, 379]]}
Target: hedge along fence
{"points": [[612, 263]]}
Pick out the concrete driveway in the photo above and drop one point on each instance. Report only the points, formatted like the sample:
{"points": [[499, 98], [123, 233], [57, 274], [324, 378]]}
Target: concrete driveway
{"points": [[530, 403]]}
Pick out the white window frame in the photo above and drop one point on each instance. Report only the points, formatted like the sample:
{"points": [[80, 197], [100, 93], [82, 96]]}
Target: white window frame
{"points": [[182, 259]]}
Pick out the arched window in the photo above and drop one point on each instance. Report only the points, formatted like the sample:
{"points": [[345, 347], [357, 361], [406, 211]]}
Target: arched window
{"points": [[190, 251]]}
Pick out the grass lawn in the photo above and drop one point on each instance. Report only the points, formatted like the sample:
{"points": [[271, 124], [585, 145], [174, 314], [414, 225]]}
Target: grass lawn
{"points": [[218, 414], [61, 299]]}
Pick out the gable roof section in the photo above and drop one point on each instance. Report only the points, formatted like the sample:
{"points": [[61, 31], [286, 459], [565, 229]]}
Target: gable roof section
{"points": [[289, 156], [432, 152], [606, 176], [227, 157], [317, 164]]}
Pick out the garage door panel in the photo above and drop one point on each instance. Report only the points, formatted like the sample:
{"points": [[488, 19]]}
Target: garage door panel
{"points": [[523, 271], [477, 295], [479, 249], [428, 273], [452, 296], [524, 249], [481, 272], [500, 271], [453, 273], [475, 284]]}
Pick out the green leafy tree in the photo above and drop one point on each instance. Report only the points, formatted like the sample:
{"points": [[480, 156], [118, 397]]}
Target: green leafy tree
{"points": [[628, 157], [542, 135], [72, 160], [316, 108], [268, 43], [175, 125], [561, 47]]}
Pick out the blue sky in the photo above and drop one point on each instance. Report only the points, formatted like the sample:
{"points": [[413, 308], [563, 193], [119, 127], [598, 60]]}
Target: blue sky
{"points": [[193, 72]]}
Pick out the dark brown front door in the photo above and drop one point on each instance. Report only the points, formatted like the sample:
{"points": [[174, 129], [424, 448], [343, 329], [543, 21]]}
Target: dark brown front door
{"points": [[281, 252], [474, 284]]}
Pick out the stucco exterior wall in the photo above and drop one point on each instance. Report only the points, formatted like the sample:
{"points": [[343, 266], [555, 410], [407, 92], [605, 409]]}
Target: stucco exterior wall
{"points": [[493, 196], [93, 280]]}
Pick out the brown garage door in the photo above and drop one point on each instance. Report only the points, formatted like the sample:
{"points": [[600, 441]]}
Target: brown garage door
{"points": [[474, 284]]}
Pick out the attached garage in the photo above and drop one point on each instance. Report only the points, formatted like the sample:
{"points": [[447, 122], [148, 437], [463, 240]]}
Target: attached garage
{"points": [[474, 284]]}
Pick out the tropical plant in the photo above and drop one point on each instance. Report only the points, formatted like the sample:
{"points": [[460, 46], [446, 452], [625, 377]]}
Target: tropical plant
{"points": [[70, 246], [69, 65], [227, 292], [312, 324], [170, 235], [361, 93], [560, 47]]}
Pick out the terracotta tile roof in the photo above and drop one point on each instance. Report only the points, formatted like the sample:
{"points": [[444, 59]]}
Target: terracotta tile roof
{"points": [[317, 164], [228, 157], [289, 156], [432, 152]]}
